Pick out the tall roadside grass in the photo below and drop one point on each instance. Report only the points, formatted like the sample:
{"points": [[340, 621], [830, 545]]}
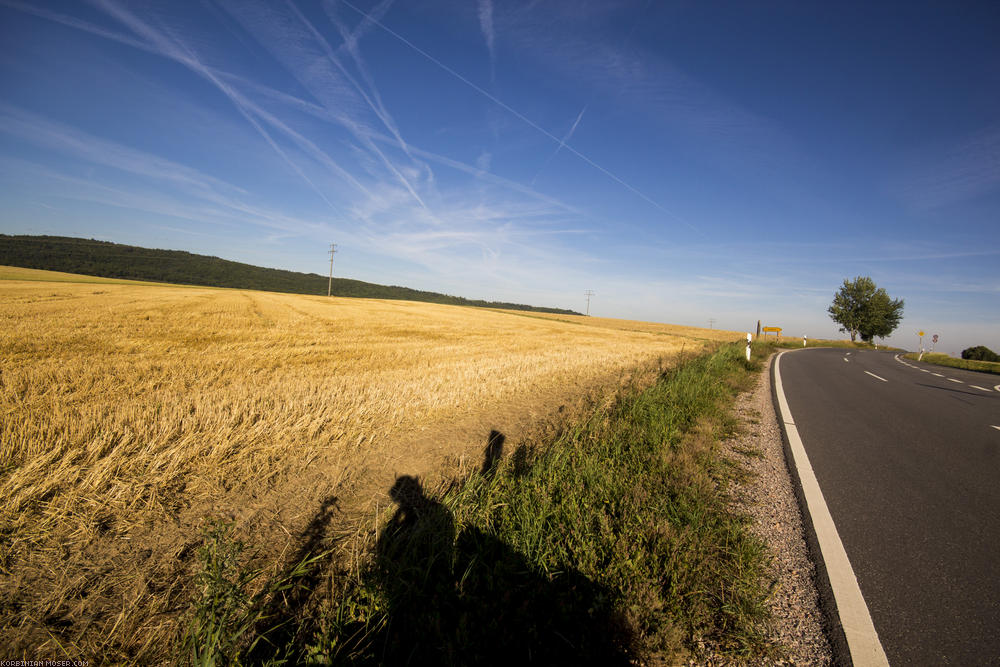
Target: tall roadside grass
{"points": [[952, 362], [614, 544]]}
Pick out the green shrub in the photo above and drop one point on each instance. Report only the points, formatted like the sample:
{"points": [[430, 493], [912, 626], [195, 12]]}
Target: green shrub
{"points": [[980, 353]]}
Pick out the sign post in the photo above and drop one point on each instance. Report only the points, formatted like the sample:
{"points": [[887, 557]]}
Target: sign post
{"points": [[921, 355], [934, 340]]}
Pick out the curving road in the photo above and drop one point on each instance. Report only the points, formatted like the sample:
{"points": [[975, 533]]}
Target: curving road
{"points": [[908, 459]]}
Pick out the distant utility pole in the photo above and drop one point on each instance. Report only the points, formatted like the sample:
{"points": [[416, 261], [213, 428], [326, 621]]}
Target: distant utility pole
{"points": [[589, 293], [711, 323], [329, 285]]}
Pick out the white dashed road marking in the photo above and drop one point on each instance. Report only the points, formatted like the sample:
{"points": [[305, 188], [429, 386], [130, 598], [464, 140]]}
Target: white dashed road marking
{"points": [[938, 375], [924, 370], [954, 380], [846, 359], [976, 386], [877, 377], [997, 428], [997, 388]]}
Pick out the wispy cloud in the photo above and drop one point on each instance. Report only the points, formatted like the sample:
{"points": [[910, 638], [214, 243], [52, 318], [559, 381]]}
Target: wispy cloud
{"points": [[351, 43], [335, 134], [527, 121], [307, 56], [53, 136], [484, 161], [567, 38], [211, 209], [77, 23], [173, 48], [956, 174], [486, 25]]}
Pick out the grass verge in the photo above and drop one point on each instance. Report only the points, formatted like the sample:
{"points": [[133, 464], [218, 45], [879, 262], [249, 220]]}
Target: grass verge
{"points": [[952, 362], [614, 544]]}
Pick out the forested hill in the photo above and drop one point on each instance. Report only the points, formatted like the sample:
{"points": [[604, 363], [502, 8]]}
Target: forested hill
{"points": [[114, 260]]}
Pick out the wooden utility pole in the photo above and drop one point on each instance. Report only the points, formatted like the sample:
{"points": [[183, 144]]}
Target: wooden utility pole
{"points": [[589, 293], [711, 323], [329, 285]]}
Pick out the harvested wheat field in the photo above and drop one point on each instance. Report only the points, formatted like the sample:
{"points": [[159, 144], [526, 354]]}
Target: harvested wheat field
{"points": [[132, 414]]}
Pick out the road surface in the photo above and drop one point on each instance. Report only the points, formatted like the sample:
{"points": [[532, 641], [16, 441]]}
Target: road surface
{"points": [[908, 459]]}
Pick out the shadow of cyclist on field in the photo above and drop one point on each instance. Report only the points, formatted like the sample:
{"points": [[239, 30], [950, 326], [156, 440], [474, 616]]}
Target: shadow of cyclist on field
{"points": [[470, 598]]}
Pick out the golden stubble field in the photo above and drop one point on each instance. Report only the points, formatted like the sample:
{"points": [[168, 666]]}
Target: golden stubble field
{"points": [[130, 414]]}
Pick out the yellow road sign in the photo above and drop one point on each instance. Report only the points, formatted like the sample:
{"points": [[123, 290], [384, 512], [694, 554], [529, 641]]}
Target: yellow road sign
{"points": [[920, 333], [777, 329]]}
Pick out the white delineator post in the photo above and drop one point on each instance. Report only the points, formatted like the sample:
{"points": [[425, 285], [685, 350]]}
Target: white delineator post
{"points": [[803, 340], [749, 339]]}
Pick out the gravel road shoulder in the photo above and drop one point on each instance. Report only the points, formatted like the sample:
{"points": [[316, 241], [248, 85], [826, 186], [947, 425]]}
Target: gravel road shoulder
{"points": [[766, 494]]}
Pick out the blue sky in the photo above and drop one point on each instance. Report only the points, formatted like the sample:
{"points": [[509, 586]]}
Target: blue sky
{"points": [[687, 161]]}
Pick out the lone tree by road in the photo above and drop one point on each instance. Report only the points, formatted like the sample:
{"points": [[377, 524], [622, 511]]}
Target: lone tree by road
{"points": [[861, 308]]}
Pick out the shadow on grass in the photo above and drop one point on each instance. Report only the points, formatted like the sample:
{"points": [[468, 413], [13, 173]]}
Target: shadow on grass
{"points": [[280, 625], [469, 598]]}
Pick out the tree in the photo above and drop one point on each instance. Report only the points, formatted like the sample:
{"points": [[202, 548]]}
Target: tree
{"points": [[980, 353], [861, 308]]}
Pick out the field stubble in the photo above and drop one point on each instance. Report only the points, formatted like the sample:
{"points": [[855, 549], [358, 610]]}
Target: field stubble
{"points": [[130, 415]]}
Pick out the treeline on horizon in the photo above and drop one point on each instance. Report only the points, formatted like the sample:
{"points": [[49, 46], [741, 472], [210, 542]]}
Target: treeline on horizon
{"points": [[115, 260]]}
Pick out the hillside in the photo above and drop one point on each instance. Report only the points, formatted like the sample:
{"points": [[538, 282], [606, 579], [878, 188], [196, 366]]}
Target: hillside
{"points": [[115, 260]]}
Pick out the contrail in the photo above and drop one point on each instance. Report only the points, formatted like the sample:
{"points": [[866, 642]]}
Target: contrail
{"points": [[562, 143], [523, 118], [377, 109], [170, 48]]}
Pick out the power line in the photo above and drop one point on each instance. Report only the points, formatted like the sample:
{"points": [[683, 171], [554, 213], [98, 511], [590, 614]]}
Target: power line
{"points": [[589, 293], [333, 251]]}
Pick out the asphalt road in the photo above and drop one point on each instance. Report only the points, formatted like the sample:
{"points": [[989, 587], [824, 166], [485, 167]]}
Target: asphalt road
{"points": [[908, 458]]}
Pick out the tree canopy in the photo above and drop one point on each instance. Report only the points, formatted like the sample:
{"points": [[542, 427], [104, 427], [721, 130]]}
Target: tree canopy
{"points": [[862, 308], [980, 353], [115, 260]]}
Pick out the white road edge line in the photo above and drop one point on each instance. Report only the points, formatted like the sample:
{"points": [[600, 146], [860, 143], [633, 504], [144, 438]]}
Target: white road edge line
{"points": [[877, 377], [862, 639], [997, 428], [997, 388]]}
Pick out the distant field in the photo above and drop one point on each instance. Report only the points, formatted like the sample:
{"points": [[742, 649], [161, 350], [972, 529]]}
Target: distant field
{"points": [[18, 273], [637, 326], [131, 413]]}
